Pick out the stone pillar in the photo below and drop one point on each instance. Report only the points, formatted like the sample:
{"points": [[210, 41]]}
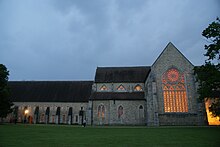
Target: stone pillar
{"points": [[149, 97], [155, 104], [89, 113]]}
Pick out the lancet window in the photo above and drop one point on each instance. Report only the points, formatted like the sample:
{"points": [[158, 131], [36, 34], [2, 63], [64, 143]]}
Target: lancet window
{"points": [[103, 88], [121, 88], [120, 111], [138, 88], [101, 111]]}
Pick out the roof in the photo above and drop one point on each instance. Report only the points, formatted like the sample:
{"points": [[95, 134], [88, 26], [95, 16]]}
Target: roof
{"points": [[117, 96], [171, 46], [122, 74], [50, 91]]}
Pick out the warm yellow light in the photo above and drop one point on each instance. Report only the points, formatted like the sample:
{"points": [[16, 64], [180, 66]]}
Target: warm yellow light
{"points": [[212, 120], [138, 88], [26, 112]]}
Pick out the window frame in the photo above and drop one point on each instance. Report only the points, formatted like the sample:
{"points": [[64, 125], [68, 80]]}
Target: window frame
{"points": [[174, 91]]}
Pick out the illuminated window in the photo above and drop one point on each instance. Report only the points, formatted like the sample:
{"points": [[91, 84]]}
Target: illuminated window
{"points": [[101, 111], [103, 88], [25, 110], [138, 88], [120, 111], [174, 91], [121, 88]]}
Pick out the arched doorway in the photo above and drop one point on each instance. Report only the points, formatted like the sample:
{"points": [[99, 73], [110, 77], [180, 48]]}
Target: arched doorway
{"points": [[70, 115], [25, 113], [141, 113], [58, 115], [47, 115], [36, 115]]}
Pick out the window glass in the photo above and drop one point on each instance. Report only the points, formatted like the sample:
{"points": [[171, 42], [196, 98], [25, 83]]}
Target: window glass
{"points": [[138, 88], [120, 111], [174, 91], [103, 88], [101, 111], [121, 88]]}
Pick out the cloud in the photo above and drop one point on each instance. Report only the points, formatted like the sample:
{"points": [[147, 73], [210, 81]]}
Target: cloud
{"points": [[67, 40]]}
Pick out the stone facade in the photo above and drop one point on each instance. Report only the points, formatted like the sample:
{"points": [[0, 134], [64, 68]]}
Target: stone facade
{"points": [[130, 96], [134, 112], [52, 118], [172, 58]]}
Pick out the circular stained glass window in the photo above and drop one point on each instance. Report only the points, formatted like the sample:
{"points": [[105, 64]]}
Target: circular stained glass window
{"points": [[172, 75]]}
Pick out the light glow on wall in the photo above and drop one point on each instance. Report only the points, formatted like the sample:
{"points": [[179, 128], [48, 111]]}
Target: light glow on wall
{"points": [[26, 111], [211, 120]]}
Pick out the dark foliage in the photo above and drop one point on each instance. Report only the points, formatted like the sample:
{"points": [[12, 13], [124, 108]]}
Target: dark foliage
{"points": [[212, 34], [208, 74], [5, 103], [209, 80]]}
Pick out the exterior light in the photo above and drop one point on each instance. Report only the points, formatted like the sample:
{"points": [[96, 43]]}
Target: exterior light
{"points": [[26, 112]]}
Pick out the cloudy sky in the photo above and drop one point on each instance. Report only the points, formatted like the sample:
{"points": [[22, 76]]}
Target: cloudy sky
{"points": [[68, 39]]}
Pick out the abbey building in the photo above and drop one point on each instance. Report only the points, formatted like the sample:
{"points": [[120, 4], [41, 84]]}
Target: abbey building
{"points": [[164, 93]]}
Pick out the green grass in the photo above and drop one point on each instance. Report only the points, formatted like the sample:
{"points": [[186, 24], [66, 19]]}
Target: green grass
{"points": [[53, 135]]}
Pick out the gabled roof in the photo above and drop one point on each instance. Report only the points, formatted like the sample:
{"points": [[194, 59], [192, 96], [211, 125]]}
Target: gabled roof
{"points": [[122, 74], [50, 91], [117, 96], [171, 46]]}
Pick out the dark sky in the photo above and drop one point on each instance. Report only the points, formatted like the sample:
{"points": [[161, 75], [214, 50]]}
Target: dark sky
{"points": [[68, 39]]}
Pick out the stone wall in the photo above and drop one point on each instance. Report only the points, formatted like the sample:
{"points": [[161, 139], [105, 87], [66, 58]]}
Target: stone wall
{"points": [[178, 119], [64, 108], [172, 58], [132, 115], [152, 101]]}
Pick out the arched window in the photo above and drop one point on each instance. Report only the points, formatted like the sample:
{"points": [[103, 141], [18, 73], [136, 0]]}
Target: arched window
{"points": [[101, 111], [25, 111], [120, 111], [138, 88], [103, 88], [76, 118], [47, 111], [47, 115], [141, 112], [36, 111], [70, 115], [58, 115], [174, 91], [121, 88]]}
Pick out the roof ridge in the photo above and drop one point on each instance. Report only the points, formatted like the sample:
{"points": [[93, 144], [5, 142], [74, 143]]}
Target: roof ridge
{"points": [[52, 81], [122, 66]]}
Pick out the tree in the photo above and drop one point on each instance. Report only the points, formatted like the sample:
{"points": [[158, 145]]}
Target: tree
{"points": [[208, 74], [5, 103]]}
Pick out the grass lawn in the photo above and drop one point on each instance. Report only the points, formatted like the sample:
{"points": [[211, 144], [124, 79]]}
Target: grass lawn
{"points": [[57, 135]]}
